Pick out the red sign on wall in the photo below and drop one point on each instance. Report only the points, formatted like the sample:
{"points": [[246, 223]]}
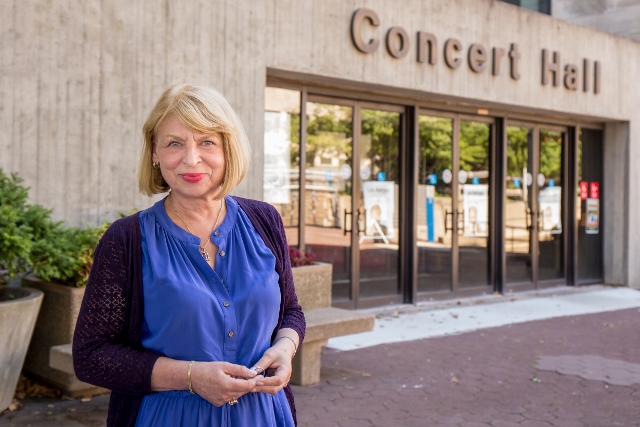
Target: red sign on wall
{"points": [[594, 190], [584, 189]]}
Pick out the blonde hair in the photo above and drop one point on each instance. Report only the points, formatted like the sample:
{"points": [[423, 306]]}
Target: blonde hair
{"points": [[204, 110]]}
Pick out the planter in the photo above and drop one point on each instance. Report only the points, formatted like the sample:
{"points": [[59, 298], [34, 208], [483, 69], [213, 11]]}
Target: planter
{"points": [[17, 321], [55, 326], [313, 285]]}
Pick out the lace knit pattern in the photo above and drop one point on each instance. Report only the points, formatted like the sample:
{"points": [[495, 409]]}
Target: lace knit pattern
{"points": [[107, 349]]}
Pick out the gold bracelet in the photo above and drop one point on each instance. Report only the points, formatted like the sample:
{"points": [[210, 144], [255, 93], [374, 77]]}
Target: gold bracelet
{"points": [[295, 346], [189, 377]]}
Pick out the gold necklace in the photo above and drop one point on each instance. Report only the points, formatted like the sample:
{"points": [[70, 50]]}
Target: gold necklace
{"points": [[203, 249]]}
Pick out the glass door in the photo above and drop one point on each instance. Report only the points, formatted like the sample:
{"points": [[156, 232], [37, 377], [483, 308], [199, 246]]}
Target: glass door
{"points": [[453, 199], [378, 202], [328, 190], [351, 192], [550, 185], [434, 237], [474, 176], [534, 206]]}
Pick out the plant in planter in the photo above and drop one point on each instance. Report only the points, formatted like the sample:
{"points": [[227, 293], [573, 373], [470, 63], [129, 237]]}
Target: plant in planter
{"points": [[15, 232], [299, 259], [56, 260], [312, 279], [18, 306]]}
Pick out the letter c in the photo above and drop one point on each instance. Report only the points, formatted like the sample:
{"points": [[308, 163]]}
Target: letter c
{"points": [[450, 46], [356, 29]]}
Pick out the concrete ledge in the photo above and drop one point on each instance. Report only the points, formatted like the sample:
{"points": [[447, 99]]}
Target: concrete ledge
{"points": [[60, 358], [322, 324], [325, 323]]}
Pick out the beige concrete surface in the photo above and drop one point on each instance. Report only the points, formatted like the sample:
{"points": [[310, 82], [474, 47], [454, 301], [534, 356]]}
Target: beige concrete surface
{"points": [[77, 79]]}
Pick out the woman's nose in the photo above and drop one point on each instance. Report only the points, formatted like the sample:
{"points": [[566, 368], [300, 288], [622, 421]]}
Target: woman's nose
{"points": [[191, 156]]}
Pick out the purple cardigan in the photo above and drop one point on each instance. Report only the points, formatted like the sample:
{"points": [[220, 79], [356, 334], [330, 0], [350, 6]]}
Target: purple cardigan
{"points": [[107, 343]]}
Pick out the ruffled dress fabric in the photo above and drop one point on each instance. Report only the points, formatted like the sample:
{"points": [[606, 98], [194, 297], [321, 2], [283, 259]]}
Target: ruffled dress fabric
{"points": [[192, 312]]}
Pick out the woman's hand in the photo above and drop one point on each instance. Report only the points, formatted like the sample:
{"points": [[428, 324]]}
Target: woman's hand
{"points": [[221, 382], [277, 359]]}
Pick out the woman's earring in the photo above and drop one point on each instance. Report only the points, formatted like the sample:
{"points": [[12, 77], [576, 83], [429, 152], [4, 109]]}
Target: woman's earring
{"points": [[155, 165]]}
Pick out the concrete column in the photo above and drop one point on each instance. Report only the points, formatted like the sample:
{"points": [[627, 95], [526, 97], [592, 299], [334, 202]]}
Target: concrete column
{"points": [[616, 203]]}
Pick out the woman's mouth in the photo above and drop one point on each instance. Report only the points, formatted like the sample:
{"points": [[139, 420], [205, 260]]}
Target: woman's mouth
{"points": [[193, 177]]}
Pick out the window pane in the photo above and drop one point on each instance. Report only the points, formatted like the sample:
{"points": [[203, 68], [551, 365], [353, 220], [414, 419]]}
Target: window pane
{"points": [[435, 178], [379, 208], [589, 207], [328, 190], [550, 189], [282, 157], [473, 203]]}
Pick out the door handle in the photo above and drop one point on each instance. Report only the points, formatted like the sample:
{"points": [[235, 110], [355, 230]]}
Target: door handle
{"points": [[362, 220], [344, 222], [530, 220], [448, 214], [460, 222]]}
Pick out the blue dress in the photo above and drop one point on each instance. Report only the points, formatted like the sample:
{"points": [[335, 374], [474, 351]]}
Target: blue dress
{"points": [[192, 312]]}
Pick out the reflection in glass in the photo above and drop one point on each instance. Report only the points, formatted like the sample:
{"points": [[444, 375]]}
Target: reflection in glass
{"points": [[282, 157], [473, 204], [589, 207], [378, 204], [435, 180], [550, 229], [328, 190], [518, 206]]}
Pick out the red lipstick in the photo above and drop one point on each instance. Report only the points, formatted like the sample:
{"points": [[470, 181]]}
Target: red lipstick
{"points": [[193, 177]]}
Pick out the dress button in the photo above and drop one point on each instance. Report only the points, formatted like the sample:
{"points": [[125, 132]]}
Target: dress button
{"points": [[226, 304], [217, 233], [231, 334], [222, 253]]}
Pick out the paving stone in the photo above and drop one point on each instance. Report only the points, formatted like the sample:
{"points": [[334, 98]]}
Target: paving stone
{"points": [[611, 371], [493, 369]]}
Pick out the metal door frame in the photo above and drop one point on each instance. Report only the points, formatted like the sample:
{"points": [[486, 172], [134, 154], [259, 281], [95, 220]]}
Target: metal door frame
{"points": [[454, 290], [534, 241], [356, 301]]}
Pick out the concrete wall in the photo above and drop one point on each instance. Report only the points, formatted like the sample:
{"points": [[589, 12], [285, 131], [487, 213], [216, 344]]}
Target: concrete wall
{"points": [[77, 78], [620, 17]]}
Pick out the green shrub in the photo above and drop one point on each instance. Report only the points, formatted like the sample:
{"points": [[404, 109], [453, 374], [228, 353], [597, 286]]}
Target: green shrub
{"points": [[15, 233], [31, 242]]}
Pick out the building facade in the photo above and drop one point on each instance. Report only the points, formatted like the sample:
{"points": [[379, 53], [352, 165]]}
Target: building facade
{"points": [[428, 150]]}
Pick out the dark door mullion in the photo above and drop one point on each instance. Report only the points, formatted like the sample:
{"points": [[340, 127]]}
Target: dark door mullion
{"points": [[355, 200], [409, 213], [302, 198], [534, 237], [455, 259], [569, 175], [499, 174]]}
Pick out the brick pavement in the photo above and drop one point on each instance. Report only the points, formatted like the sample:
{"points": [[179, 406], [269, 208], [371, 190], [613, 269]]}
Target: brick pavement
{"points": [[542, 373], [485, 378]]}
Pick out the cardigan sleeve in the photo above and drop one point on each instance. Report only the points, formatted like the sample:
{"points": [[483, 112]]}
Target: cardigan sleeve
{"points": [[293, 317], [103, 352]]}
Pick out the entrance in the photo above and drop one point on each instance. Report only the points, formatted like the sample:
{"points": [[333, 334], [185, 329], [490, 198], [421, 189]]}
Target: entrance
{"points": [[409, 203], [352, 188], [534, 206], [454, 199]]}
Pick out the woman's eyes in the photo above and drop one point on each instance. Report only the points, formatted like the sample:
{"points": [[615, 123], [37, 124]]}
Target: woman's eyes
{"points": [[206, 143]]}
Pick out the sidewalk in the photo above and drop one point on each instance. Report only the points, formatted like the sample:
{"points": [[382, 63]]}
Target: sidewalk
{"points": [[566, 357]]}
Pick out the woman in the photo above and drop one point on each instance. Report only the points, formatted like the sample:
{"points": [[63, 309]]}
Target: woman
{"points": [[190, 315]]}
